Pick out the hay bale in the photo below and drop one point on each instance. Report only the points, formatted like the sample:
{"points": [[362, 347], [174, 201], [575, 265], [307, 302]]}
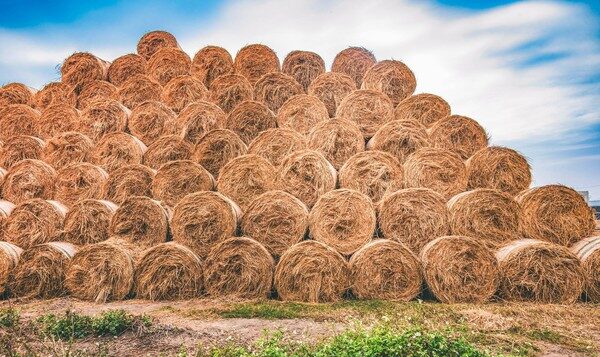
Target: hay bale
{"points": [[438, 169], [168, 63], [307, 175], [151, 120], [56, 119], [588, 252], [216, 148], [385, 270], [2, 174], [302, 113], [369, 109], [304, 66], [373, 173], [275, 88], [166, 149], [354, 62], [337, 140], [18, 119], [229, 90], [176, 179], [183, 90], [125, 67], [20, 148], [392, 78], [310, 271], [210, 63], [6, 208], [55, 93], [89, 92], [17, 93], [275, 144], [331, 88], [153, 41], [139, 89], [168, 271], [34, 222], [534, 270], [490, 215], [203, 219], [80, 181], [41, 271], [87, 222], [425, 108], [141, 221], [68, 148], [254, 61], [128, 181], [103, 117], [343, 219], [118, 149], [9, 258], [400, 138], [459, 134], [499, 168], [556, 214], [83, 66], [239, 267], [29, 179], [249, 119], [197, 119]]}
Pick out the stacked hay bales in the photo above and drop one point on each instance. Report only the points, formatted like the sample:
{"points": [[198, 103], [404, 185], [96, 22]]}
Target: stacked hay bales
{"points": [[9, 258], [141, 221], [88, 222], [79, 182], [34, 222]]}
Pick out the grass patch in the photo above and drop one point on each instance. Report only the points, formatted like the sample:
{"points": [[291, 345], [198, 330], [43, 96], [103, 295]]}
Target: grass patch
{"points": [[9, 317]]}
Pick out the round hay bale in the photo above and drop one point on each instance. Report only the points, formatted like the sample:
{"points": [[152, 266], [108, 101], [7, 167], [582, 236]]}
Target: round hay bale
{"points": [[168, 63], [343, 219], [125, 67], [556, 214], [304, 66], [55, 93], [490, 215], [385, 270], [128, 181], [275, 88], [18, 119], [9, 258], [331, 88], [20, 148], [217, 148], [2, 174], [438, 169], [254, 61], [141, 221], [392, 78], [154, 41], [202, 219], [41, 271], [538, 271], [118, 149], [499, 168], [307, 175], [17, 93], [588, 252], [425, 108], [369, 109], [103, 117], [139, 89], [165, 149], [168, 271], [199, 118], [68, 148], [239, 267], [176, 179], [5, 210], [400, 138], [89, 92], [337, 140], [34, 222], [183, 90], [275, 144], [277, 220], [373, 173], [249, 119], [87, 222], [354, 62], [56, 119], [310, 271], [78, 182], [83, 66], [459, 134], [302, 113], [229, 90], [210, 63], [151, 120], [29, 179]]}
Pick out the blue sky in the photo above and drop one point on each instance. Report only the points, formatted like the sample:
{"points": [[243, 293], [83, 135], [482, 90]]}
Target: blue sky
{"points": [[529, 71]]}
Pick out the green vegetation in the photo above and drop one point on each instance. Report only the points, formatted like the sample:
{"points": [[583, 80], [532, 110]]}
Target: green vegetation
{"points": [[9, 317]]}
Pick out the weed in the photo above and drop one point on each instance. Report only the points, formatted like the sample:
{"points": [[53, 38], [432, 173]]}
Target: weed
{"points": [[9, 317]]}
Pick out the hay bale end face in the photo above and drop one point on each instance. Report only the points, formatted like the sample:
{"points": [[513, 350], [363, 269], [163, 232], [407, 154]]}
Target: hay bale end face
{"points": [[83, 66], [141, 221], [425, 108], [369, 109], [400, 138], [301, 113], [55, 93], [229, 90], [103, 117], [217, 148], [176, 179], [275, 88], [151, 120], [459, 134], [89, 92], [168, 63], [249, 119], [68, 148], [56, 119], [125, 67], [9, 258], [304, 66], [337, 140], [128, 181], [354, 62], [17, 93], [34, 222], [198, 118], [80, 181], [153, 41], [499, 168], [29, 179], [18, 119], [118, 149], [166, 149], [88, 222], [210, 63], [19, 148], [393, 78], [139, 89], [5, 210], [275, 144], [588, 252], [254, 61], [331, 88], [183, 90]]}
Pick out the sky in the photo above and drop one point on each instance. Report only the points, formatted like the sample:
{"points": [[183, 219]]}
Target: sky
{"points": [[528, 71]]}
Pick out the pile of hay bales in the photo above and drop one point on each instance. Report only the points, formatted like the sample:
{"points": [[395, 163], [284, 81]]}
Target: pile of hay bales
{"points": [[162, 177]]}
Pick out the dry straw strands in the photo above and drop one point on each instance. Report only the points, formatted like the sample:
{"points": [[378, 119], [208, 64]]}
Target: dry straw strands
{"points": [[2, 174], [168, 63], [68, 148], [275, 88], [151, 120], [56, 119], [370, 109], [80, 181], [19, 148], [141, 221], [229, 90], [118, 149], [55, 93], [18, 119], [5, 209], [588, 251], [458, 134], [127, 181], [354, 61], [275, 144], [139, 89], [500, 168], [89, 92], [301, 113], [199, 118], [34, 222], [125, 67], [249, 119], [277, 220], [9, 258], [239, 267], [83, 66], [310, 271], [331, 88], [556, 214], [17, 93], [387, 270], [460, 269], [393, 78], [103, 117], [304, 66], [533, 270], [176, 179], [254, 61], [210, 63], [217, 148], [29, 179], [425, 108], [168, 271], [87, 222], [153, 41], [343, 219], [337, 140], [400, 138], [165, 149], [183, 90]]}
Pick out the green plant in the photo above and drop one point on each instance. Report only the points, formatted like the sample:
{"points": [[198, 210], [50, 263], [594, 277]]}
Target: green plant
{"points": [[112, 323], [9, 317]]}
